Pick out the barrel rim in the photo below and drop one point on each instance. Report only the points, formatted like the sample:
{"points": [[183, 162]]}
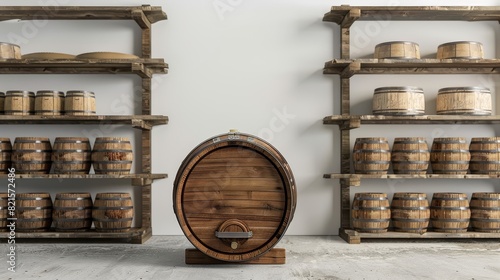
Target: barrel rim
{"points": [[470, 88], [414, 89], [460, 42], [396, 42]]}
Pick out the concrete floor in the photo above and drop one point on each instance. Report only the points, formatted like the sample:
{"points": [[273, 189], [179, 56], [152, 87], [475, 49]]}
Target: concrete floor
{"points": [[162, 257]]}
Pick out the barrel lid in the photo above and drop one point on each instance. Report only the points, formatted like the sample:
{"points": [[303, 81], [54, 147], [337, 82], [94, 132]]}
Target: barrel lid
{"points": [[76, 92], [397, 42], [49, 92], [20, 92], [398, 88], [459, 89], [460, 42]]}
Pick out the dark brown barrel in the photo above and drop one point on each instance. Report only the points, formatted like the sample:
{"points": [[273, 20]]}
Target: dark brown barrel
{"points": [[450, 155], [79, 103], [71, 155], [234, 197], [19, 102], [113, 212], [485, 212], [72, 212], [4, 212], [371, 212], [410, 212], [485, 155], [49, 102], [450, 212], [5, 155], [112, 155], [410, 155], [371, 155], [33, 212], [31, 155], [405, 101]]}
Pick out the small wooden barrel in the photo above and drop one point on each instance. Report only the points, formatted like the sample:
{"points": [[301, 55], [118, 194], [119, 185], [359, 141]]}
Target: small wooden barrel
{"points": [[450, 155], [71, 155], [33, 212], [450, 212], [79, 103], [464, 101], [398, 50], [410, 212], [2, 103], [485, 212], [409, 101], [410, 155], [112, 155], [5, 155], [9, 51], [19, 102], [371, 212], [371, 155], [485, 155], [460, 49], [31, 155], [72, 212], [49, 102], [113, 212], [4, 212]]}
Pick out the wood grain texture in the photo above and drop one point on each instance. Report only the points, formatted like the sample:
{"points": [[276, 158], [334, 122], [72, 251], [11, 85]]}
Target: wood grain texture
{"points": [[273, 256]]}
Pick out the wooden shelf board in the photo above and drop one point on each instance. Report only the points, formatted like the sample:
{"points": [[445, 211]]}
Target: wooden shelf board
{"points": [[425, 119], [95, 119], [88, 176], [408, 176], [133, 232]]}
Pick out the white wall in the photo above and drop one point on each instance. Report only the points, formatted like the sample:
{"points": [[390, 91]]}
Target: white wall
{"points": [[245, 64]]}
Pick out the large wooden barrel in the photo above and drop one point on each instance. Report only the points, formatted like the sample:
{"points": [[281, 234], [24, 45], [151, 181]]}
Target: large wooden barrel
{"points": [[234, 197], [450, 212], [484, 155], [460, 49], [49, 102], [450, 155], [33, 212], [4, 211], [371, 155], [71, 155], [464, 101], [371, 212], [410, 155], [79, 103], [485, 212], [410, 212], [19, 102], [5, 155], [113, 212], [31, 155], [409, 101], [72, 212], [397, 49], [112, 155]]}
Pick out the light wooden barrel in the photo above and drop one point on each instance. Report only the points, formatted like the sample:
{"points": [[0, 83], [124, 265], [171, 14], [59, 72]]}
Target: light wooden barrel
{"points": [[485, 155], [371, 212], [112, 155], [113, 212], [72, 212], [4, 212], [460, 49], [2, 103], [71, 155], [5, 155], [19, 102], [371, 155], [450, 212], [397, 49], [450, 155], [49, 102], [79, 103], [31, 155], [464, 101], [33, 212], [409, 101], [485, 212], [9, 51], [410, 155], [410, 212], [234, 197]]}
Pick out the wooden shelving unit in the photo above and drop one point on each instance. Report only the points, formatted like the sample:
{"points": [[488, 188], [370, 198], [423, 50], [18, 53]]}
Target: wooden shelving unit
{"points": [[346, 67], [144, 66]]}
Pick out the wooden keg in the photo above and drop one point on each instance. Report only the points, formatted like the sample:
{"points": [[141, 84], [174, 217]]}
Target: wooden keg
{"points": [[397, 50], [410, 155], [4, 212], [79, 103], [9, 51], [49, 102], [33, 212], [450, 212], [72, 212], [409, 101], [19, 102], [371, 212], [485, 212], [2, 103], [234, 197], [112, 155], [484, 155], [71, 155], [113, 212], [464, 101], [460, 49], [450, 155], [5, 155], [410, 212], [371, 155], [31, 155]]}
